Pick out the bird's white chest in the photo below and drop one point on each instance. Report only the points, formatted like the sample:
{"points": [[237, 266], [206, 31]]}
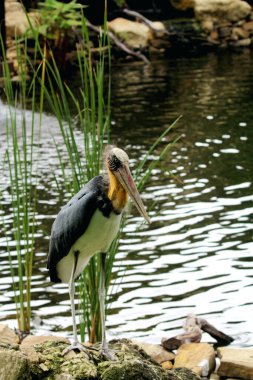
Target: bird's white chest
{"points": [[97, 238]]}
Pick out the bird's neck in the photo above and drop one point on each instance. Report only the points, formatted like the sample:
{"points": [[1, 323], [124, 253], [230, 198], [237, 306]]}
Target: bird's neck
{"points": [[116, 193]]}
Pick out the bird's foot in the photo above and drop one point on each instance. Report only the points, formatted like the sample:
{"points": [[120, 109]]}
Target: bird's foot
{"points": [[77, 346], [107, 353]]}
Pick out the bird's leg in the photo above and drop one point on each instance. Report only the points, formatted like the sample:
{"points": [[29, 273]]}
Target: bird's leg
{"points": [[76, 344], [105, 351]]}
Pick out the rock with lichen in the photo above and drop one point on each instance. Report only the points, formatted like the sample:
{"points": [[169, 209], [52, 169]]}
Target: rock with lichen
{"points": [[13, 364], [45, 361]]}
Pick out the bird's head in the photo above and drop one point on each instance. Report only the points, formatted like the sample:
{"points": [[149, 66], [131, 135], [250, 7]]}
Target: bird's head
{"points": [[117, 163]]}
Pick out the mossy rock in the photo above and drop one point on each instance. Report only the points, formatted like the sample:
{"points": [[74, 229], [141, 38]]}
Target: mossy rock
{"points": [[182, 374], [48, 363], [52, 363], [132, 363], [13, 364]]}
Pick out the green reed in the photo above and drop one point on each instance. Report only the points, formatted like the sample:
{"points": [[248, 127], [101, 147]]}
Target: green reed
{"points": [[90, 105], [19, 192]]}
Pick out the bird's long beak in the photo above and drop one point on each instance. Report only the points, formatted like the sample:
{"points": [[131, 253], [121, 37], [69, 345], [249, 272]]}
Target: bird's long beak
{"points": [[124, 176]]}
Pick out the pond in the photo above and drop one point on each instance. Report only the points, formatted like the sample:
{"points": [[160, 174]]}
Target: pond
{"points": [[197, 254]]}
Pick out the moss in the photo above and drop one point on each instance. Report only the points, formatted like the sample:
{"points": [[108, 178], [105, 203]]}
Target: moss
{"points": [[13, 365], [130, 370], [50, 359], [80, 368], [132, 364], [182, 374]]}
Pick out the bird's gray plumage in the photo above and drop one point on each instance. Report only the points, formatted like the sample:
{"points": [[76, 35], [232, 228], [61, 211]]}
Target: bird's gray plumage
{"points": [[74, 218]]}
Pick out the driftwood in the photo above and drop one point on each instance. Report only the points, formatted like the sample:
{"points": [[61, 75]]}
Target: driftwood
{"points": [[221, 338], [193, 328]]}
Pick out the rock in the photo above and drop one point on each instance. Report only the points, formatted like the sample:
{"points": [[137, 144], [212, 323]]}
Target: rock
{"points": [[13, 365], [224, 31], [132, 363], [167, 365], [182, 5], [214, 35], [27, 346], [7, 335], [207, 25], [239, 33], [155, 351], [214, 376], [248, 26], [199, 357], [242, 43], [31, 340], [182, 374], [136, 34], [221, 10], [236, 362]]}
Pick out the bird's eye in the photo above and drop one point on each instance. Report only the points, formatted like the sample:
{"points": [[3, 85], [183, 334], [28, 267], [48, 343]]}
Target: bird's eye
{"points": [[114, 163]]}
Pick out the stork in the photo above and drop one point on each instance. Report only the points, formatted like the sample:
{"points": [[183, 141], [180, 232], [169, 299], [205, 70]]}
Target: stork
{"points": [[87, 225]]}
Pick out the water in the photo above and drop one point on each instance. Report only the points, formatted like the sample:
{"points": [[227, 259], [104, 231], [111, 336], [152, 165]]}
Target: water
{"points": [[197, 254]]}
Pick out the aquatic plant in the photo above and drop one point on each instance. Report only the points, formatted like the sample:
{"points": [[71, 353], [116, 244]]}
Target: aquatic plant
{"points": [[91, 106], [19, 191], [92, 109]]}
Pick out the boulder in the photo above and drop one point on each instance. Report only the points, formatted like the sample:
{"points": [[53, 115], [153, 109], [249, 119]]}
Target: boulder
{"points": [[199, 357], [221, 10], [16, 21], [236, 362], [7, 335], [136, 34], [27, 347], [131, 363], [13, 365]]}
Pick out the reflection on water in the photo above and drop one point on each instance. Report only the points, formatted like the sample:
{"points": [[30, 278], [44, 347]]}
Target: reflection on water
{"points": [[197, 254]]}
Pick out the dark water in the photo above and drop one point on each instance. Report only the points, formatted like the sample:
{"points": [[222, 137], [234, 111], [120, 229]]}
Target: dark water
{"points": [[197, 254]]}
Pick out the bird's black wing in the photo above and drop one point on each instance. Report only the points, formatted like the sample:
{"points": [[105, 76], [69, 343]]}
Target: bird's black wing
{"points": [[71, 223]]}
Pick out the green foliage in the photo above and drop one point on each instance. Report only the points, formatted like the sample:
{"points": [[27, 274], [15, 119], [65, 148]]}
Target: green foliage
{"points": [[93, 119], [120, 3], [57, 17], [20, 192]]}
